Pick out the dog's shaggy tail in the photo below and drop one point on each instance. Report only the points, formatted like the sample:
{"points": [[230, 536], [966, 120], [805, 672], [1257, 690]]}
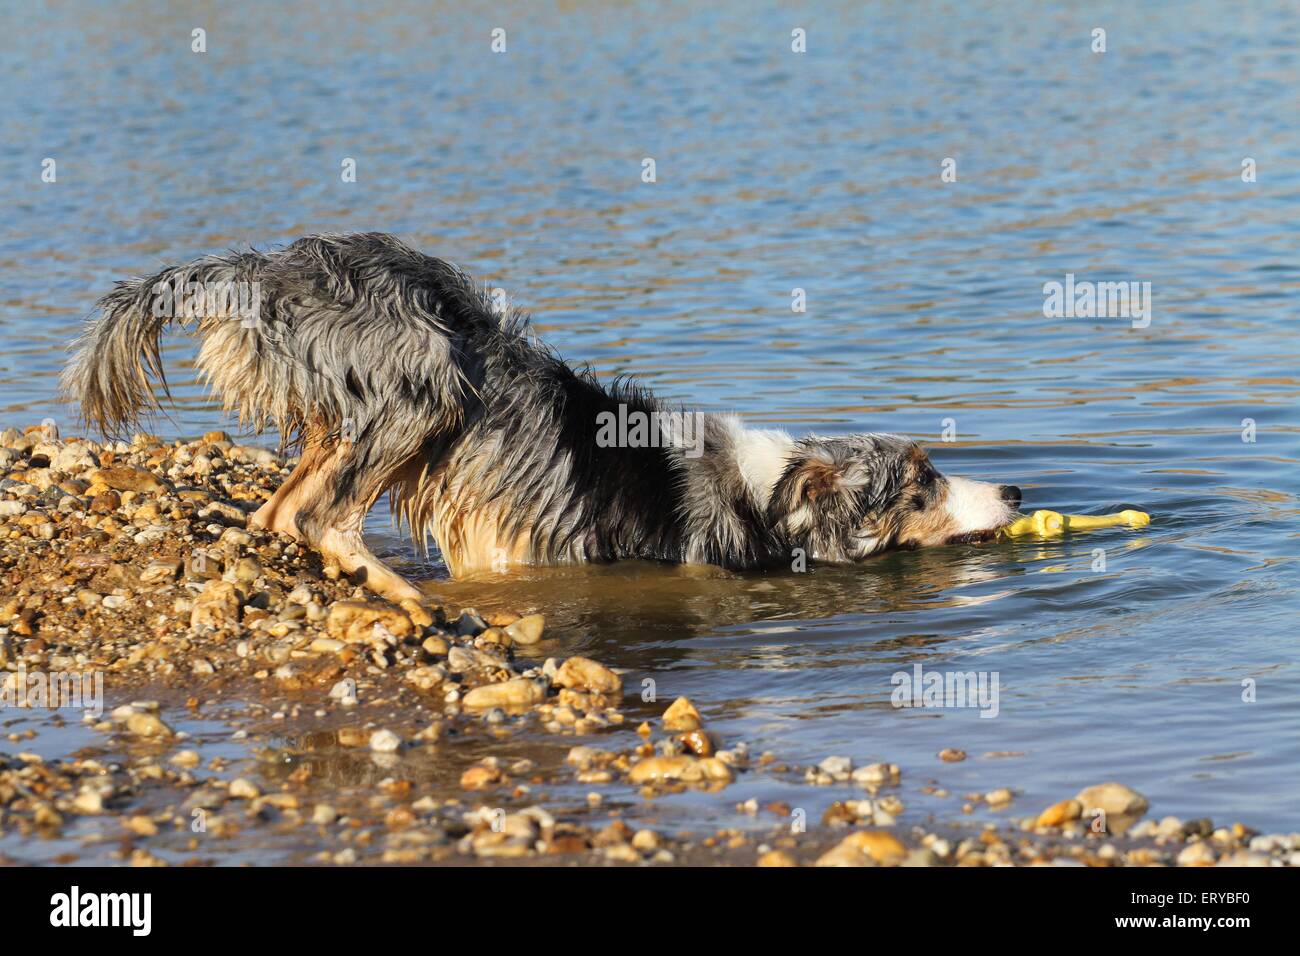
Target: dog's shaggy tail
{"points": [[116, 368], [358, 334]]}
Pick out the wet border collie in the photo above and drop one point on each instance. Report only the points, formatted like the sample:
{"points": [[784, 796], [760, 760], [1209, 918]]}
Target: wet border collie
{"points": [[393, 371]]}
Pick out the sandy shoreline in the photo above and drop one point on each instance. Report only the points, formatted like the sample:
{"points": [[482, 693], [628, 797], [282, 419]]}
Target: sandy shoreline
{"points": [[425, 733]]}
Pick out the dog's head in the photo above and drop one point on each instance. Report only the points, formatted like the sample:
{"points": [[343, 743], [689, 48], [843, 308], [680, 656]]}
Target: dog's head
{"points": [[845, 499]]}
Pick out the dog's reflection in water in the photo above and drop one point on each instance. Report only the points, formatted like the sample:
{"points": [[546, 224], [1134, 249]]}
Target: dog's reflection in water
{"points": [[633, 607]]}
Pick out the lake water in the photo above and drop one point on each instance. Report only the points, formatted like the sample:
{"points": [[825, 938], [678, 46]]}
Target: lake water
{"points": [[778, 171]]}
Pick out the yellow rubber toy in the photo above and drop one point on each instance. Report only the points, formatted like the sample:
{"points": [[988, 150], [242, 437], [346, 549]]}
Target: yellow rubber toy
{"points": [[1047, 524]]}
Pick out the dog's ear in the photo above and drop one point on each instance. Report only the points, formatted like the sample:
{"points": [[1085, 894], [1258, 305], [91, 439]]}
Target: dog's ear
{"points": [[815, 482], [819, 476]]}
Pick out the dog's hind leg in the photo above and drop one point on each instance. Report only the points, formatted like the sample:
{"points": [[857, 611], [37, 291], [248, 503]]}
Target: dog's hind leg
{"points": [[280, 510], [317, 504], [340, 483], [345, 545]]}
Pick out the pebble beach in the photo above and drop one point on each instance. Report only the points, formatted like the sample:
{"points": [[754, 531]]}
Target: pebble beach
{"points": [[255, 697]]}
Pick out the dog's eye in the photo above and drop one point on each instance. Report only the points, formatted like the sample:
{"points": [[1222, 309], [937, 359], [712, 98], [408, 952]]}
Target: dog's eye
{"points": [[926, 478]]}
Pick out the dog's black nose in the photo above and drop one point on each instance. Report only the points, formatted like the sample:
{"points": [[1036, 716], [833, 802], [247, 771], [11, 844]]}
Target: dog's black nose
{"points": [[1011, 495]]}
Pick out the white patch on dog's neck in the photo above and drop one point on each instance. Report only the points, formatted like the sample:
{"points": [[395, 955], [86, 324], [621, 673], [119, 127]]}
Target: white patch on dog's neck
{"points": [[761, 456]]}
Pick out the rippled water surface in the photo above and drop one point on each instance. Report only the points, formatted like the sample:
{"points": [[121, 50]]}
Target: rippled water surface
{"points": [[778, 171]]}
